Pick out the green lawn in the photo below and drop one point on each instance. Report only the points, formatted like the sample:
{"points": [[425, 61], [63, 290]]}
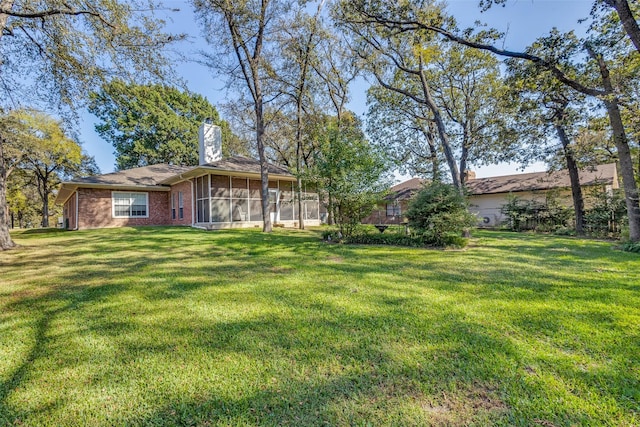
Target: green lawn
{"points": [[177, 326]]}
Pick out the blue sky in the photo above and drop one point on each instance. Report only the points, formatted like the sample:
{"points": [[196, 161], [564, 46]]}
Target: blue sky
{"points": [[522, 21]]}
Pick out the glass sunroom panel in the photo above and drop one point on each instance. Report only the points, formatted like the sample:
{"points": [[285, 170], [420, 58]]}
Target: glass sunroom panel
{"points": [[240, 189], [203, 210], [311, 209], [254, 189], [255, 209], [220, 210], [286, 210], [240, 210], [220, 186]]}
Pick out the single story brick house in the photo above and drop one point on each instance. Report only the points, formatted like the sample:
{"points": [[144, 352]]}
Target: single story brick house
{"points": [[395, 203], [218, 193], [488, 195]]}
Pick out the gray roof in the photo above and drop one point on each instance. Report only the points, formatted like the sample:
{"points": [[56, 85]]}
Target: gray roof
{"points": [[145, 175], [405, 190], [244, 164], [161, 176], [599, 175], [537, 181]]}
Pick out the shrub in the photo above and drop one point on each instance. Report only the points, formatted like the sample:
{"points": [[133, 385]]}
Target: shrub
{"points": [[394, 239], [606, 215], [631, 247], [439, 215], [547, 216]]}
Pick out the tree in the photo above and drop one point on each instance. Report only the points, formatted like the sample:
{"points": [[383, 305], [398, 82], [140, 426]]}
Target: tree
{"points": [[399, 62], [407, 18], [48, 156], [52, 155], [55, 53], [468, 89], [624, 10], [350, 170], [548, 107], [626, 18], [406, 131], [23, 200], [15, 141], [244, 30], [298, 46], [155, 123], [336, 68]]}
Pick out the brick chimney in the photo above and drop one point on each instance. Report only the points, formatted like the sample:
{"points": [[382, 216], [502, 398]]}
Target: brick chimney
{"points": [[468, 176], [209, 142]]}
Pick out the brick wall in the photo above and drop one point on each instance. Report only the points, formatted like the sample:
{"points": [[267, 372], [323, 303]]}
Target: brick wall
{"points": [[379, 215], [187, 199], [95, 210]]}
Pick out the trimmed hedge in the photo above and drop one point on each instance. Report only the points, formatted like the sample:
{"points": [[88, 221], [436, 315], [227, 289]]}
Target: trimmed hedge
{"points": [[394, 239]]}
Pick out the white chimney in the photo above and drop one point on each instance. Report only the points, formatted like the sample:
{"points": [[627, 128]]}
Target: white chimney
{"points": [[210, 142]]}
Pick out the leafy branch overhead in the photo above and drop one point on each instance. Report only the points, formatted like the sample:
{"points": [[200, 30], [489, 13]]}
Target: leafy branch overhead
{"points": [[53, 54]]}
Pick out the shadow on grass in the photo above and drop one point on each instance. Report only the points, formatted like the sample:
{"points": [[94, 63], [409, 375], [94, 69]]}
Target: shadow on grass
{"points": [[347, 339]]}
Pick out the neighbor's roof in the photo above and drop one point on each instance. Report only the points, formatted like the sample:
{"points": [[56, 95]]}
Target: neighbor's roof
{"points": [[405, 189], [599, 175]]}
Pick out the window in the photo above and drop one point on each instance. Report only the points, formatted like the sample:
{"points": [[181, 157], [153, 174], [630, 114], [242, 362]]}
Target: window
{"points": [[173, 206], [130, 205], [180, 205], [202, 199], [393, 209]]}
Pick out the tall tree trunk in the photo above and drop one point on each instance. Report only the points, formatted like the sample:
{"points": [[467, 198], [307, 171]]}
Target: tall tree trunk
{"points": [[5, 237], [299, 160], [627, 19], [433, 153], [264, 168], [574, 177], [624, 152], [442, 132], [45, 205], [464, 155]]}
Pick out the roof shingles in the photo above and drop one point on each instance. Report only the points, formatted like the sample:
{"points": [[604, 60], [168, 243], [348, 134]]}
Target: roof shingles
{"points": [[602, 174], [144, 176]]}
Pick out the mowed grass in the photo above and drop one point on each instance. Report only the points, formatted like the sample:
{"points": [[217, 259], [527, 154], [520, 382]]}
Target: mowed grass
{"points": [[177, 326]]}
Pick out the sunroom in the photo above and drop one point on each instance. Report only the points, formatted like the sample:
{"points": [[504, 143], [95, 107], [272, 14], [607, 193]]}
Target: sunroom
{"points": [[225, 201]]}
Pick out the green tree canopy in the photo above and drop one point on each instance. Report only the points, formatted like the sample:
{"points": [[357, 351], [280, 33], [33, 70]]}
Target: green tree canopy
{"points": [[350, 171], [48, 155], [53, 53], [154, 123]]}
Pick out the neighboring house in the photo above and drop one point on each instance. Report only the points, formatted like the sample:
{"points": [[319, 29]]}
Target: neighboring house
{"points": [[219, 193], [396, 203], [488, 195]]}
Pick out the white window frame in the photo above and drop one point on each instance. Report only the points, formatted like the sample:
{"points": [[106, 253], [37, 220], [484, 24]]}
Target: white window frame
{"points": [[122, 194], [394, 208]]}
